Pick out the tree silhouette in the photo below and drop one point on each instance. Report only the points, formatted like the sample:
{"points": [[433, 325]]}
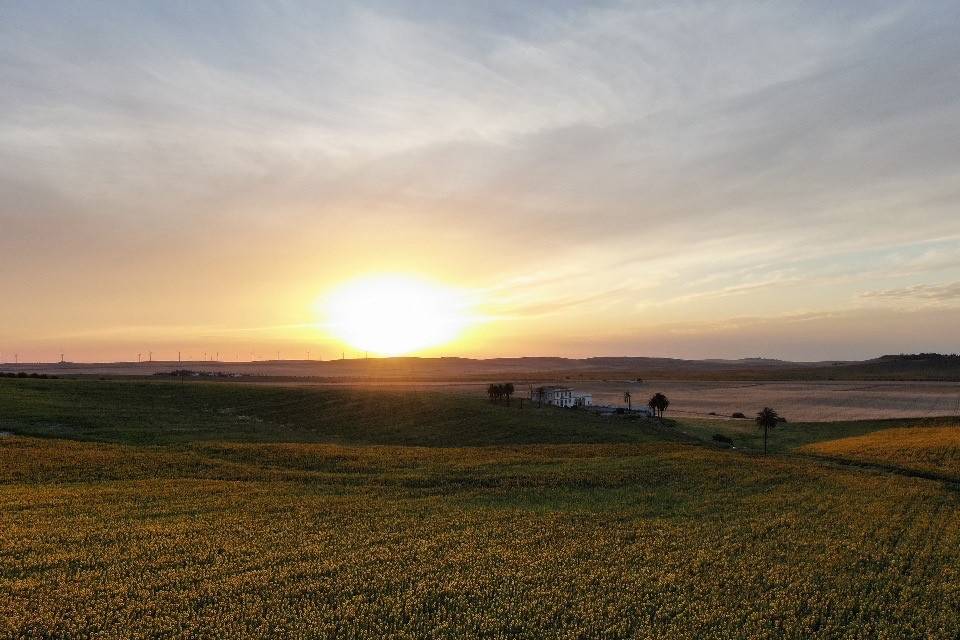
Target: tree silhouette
{"points": [[627, 398], [767, 419], [500, 391], [658, 403]]}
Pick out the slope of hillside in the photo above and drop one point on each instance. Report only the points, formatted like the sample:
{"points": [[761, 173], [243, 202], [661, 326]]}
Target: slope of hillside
{"points": [[195, 521], [165, 412], [924, 450]]}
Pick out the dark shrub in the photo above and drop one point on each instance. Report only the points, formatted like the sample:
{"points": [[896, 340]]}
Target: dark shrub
{"points": [[719, 438], [738, 415]]}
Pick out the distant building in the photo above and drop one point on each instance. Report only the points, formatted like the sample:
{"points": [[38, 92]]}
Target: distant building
{"points": [[609, 410], [561, 397], [582, 399], [556, 396]]}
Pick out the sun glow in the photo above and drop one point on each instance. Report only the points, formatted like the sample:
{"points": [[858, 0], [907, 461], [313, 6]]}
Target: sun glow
{"points": [[394, 315]]}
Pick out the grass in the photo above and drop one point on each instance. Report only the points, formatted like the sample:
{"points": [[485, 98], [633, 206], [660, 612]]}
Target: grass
{"points": [[342, 514], [791, 436], [159, 413]]}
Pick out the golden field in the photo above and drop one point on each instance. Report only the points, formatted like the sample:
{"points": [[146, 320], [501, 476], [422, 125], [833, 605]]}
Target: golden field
{"points": [[927, 450], [210, 533]]}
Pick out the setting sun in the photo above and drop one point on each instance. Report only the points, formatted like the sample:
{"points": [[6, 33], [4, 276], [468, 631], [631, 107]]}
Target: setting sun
{"points": [[394, 314]]}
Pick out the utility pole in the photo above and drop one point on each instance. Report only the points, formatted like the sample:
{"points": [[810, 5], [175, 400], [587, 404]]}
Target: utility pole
{"points": [[138, 358], [151, 356]]}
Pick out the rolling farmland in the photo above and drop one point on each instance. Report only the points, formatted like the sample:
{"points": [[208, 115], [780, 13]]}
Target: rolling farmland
{"points": [[802, 401], [134, 510], [933, 450]]}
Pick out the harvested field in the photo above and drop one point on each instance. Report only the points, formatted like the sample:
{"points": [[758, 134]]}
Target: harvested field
{"points": [[797, 401]]}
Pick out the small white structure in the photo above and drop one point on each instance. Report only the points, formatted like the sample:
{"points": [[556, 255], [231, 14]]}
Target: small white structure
{"points": [[581, 399], [561, 397], [556, 396]]}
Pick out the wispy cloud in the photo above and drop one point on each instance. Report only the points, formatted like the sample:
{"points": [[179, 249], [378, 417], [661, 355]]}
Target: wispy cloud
{"points": [[935, 293], [558, 157]]}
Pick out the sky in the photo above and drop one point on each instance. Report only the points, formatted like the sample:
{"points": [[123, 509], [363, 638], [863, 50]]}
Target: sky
{"points": [[688, 179]]}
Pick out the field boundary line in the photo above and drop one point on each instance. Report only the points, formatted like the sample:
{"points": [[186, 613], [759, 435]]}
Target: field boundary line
{"points": [[952, 481]]}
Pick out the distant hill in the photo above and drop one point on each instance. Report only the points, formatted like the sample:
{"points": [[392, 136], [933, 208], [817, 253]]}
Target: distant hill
{"points": [[920, 366], [531, 369]]}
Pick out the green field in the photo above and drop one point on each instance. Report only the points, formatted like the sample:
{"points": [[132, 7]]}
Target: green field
{"points": [[153, 509]]}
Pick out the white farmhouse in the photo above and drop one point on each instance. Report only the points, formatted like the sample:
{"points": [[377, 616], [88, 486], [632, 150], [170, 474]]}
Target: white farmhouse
{"points": [[561, 397], [556, 396], [581, 399]]}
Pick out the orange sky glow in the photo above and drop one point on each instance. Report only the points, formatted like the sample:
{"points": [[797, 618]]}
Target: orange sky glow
{"points": [[691, 180]]}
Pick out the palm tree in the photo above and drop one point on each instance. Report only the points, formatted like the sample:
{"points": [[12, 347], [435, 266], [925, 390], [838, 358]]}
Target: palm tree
{"points": [[659, 404], [626, 398], [508, 391], [767, 419]]}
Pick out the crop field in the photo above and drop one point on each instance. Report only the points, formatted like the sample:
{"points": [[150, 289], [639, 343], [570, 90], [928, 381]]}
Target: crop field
{"points": [[925, 450], [144, 509], [803, 401]]}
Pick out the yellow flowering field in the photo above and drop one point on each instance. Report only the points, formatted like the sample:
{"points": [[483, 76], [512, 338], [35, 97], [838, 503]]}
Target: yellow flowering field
{"points": [[591, 541], [245, 536], [923, 450]]}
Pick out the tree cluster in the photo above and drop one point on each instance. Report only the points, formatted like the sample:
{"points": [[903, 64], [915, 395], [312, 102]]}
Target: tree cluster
{"points": [[501, 391], [923, 356], [24, 374], [658, 404]]}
